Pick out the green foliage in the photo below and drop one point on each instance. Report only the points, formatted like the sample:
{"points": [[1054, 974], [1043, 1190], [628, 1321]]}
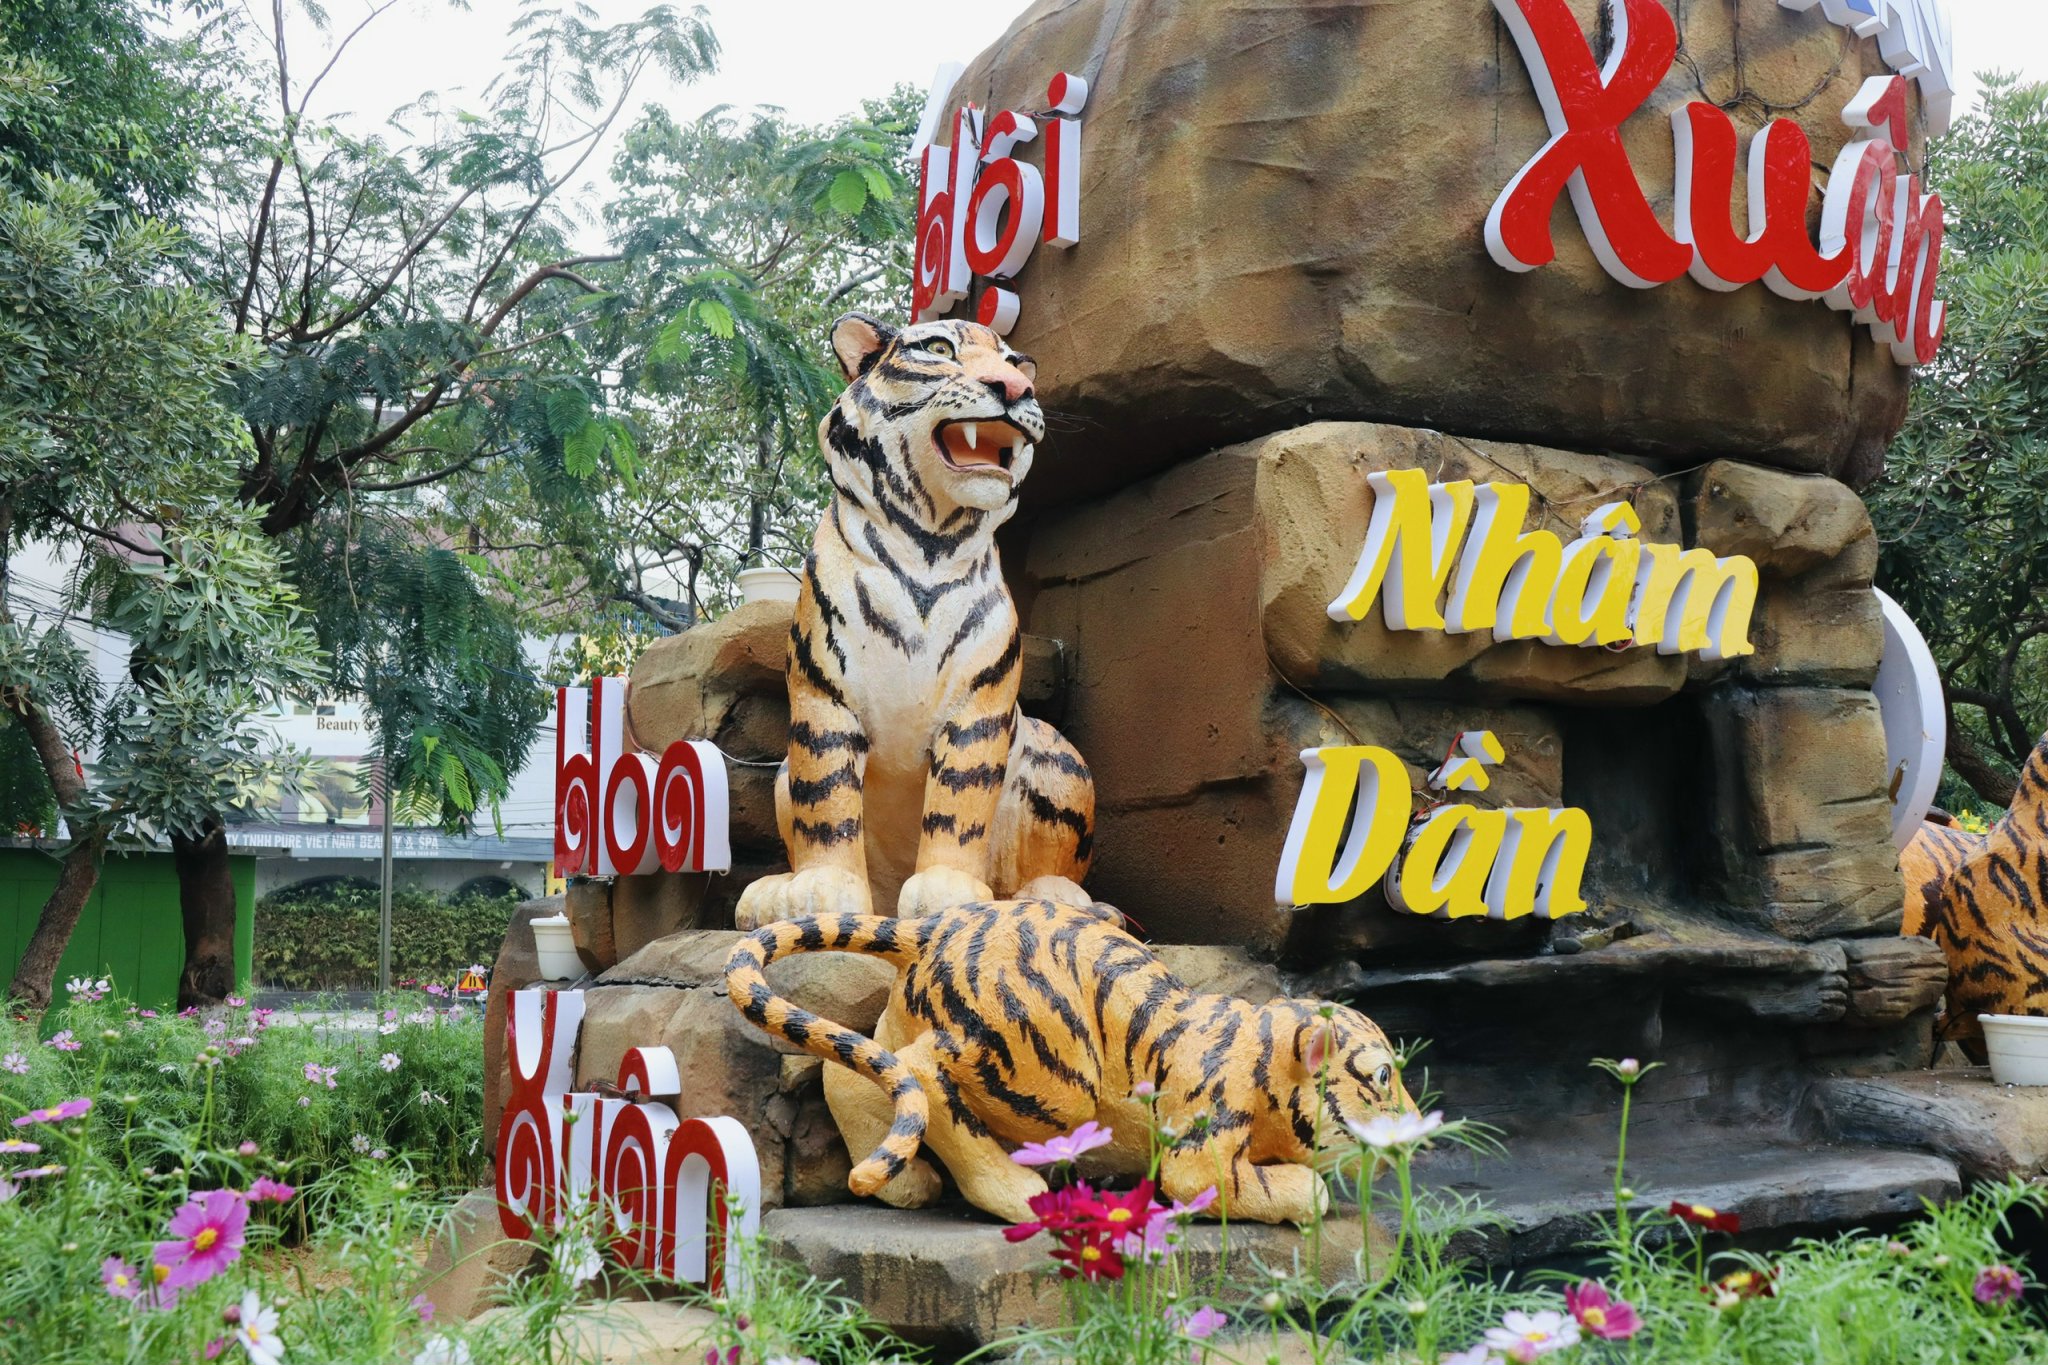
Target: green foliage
{"points": [[1965, 549], [439, 660], [26, 801], [109, 424], [743, 236], [325, 938], [139, 110]]}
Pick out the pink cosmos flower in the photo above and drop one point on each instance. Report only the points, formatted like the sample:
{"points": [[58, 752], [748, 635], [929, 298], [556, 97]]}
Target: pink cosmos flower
{"points": [[16, 1147], [424, 1306], [436, 988], [236, 1002], [63, 1041], [38, 1172], [122, 1280], [14, 1062], [214, 1348], [1998, 1284], [56, 1114], [248, 1148], [206, 1238], [1064, 1149], [1201, 1324], [266, 1190], [149, 1014], [1602, 1314], [1185, 1211]]}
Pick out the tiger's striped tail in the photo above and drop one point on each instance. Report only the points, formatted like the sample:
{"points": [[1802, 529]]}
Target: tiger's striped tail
{"points": [[769, 1012]]}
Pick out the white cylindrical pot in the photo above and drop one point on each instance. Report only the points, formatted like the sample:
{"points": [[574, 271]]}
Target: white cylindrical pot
{"points": [[555, 945], [767, 585], [2019, 1048]]}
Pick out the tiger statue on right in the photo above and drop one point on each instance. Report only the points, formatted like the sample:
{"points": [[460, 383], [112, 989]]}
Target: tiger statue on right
{"points": [[1984, 899]]}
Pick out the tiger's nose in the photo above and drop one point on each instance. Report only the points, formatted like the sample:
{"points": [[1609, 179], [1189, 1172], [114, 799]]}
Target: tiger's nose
{"points": [[1009, 385]]}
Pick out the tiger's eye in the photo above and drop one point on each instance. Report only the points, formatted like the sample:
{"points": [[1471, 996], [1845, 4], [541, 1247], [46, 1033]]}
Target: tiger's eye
{"points": [[1385, 1074], [940, 347]]}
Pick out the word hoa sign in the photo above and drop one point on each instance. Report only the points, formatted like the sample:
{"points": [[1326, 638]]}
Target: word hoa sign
{"points": [[1352, 830], [1878, 257], [620, 811], [679, 1195], [980, 210], [1605, 588]]}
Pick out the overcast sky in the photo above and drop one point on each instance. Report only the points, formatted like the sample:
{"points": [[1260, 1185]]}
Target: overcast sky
{"points": [[819, 58]]}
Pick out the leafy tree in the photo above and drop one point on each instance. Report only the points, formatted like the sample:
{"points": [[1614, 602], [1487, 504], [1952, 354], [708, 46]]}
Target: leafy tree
{"points": [[110, 434], [1959, 512], [743, 237]]}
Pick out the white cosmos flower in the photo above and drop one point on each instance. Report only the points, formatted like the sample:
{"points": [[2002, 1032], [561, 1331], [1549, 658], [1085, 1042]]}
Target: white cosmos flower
{"points": [[1387, 1132], [443, 1350], [257, 1331], [1526, 1335], [577, 1258]]}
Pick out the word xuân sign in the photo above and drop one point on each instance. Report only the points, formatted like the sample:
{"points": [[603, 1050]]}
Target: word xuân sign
{"points": [[1605, 588], [1879, 253], [619, 811], [679, 1194], [1352, 829], [980, 210]]}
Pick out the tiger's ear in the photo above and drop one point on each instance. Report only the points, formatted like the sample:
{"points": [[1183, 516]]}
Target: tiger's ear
{"points": [[857, 339]]}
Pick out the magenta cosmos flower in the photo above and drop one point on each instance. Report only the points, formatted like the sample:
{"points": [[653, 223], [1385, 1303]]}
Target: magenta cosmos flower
{"points": [[271, 1191], [1602, 1314], [1064, 1149], [206, 1238], [1998, 1284]]}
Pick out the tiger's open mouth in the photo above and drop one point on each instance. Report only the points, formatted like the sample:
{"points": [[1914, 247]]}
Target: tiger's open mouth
{"points": [[987, 444]]}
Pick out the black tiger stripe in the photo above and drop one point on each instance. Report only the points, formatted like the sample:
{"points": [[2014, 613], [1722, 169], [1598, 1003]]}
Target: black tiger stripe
{"points": [[988, 727], [807, 664], [1000, 669], [810, 791], [883, 625], [971, 622], [818, 832], [821, 742], [982, 776], [1061, 759]]}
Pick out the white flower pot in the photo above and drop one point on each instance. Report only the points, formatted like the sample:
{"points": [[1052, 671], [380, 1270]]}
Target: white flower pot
{"points": [[555, 945], [768, 585], [2018, 1047]]}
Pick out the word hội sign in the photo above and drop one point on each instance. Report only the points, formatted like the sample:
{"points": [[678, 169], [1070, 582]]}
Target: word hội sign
{"points": [[678, 1195], [981, 210], [1878, 256]]}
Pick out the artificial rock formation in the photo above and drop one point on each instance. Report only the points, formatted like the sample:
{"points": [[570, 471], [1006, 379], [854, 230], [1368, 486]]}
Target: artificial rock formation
{"points": [[1281, 215]]}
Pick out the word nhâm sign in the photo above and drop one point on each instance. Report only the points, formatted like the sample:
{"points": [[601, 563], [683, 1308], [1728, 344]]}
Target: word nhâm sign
{"points": [[622, 812], [680, 1194], [1878, 257], [1605, 588], [980, 210], [1352, 830]]}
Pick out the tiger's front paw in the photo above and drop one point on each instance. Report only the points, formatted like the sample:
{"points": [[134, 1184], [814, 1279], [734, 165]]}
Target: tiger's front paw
{"points": [[826, 891], [940, 888], [761, 903]]}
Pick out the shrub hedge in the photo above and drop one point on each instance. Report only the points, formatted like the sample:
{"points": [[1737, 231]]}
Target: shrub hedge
{"points": [[325, 938]]}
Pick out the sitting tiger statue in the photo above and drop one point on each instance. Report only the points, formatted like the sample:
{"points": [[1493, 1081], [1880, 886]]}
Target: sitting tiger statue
{"points": [[912, 781], [1984, 899], [1015, 1021]]}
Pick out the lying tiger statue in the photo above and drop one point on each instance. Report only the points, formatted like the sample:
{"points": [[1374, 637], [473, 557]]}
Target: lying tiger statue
{"points": [[1015, 1021], [1981, 897], [912, 781]]}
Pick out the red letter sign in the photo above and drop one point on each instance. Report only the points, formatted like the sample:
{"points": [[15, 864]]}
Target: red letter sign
{"points": [[1585, 107]]}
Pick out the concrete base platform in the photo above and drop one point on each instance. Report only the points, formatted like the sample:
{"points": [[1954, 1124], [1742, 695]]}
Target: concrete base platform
{"points": [[1990, 1131]]}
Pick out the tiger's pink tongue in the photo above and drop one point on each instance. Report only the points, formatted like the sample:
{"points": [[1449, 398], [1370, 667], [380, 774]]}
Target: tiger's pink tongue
{"points": [[986, 450]]}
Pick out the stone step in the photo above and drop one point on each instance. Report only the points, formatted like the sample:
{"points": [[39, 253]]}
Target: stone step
{"points": [[1990, 1131], [1548, 1195], [946, 1276]]}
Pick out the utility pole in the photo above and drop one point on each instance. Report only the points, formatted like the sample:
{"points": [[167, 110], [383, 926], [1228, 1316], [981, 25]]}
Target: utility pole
{"points": [[384, 898]]}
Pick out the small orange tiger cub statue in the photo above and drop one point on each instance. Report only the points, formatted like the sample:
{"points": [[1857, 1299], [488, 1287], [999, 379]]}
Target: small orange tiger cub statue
{"points": [[912, 781], [1019, 1020], [1984, 899]]}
